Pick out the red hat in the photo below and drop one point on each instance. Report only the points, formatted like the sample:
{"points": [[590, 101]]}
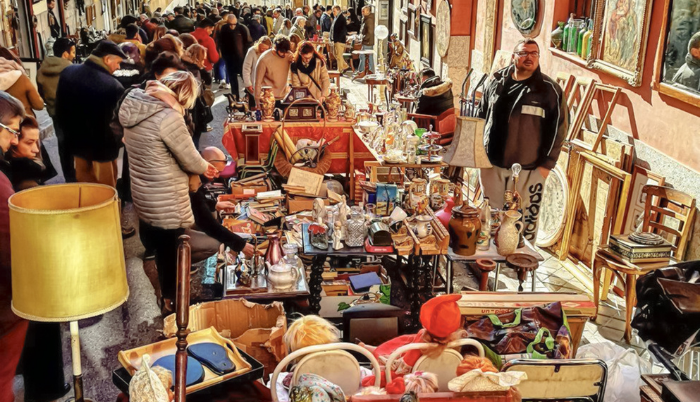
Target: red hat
{"points": [[440, 315], [396, 386]]}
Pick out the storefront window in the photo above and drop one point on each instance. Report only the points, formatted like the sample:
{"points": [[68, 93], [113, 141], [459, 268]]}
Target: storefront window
{"points": [[681, 59]]}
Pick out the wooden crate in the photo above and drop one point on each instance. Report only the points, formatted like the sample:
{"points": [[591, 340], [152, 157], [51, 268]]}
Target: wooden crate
{"points": [[442, 238]]}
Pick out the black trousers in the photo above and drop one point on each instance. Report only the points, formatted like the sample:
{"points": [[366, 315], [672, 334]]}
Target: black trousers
{"points": [[42, 362], [66, 157], [164, 242], [233, 70]]}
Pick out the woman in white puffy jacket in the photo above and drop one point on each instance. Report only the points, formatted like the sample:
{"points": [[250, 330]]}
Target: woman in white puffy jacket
{"points": [[162, 156], [251, 60]]}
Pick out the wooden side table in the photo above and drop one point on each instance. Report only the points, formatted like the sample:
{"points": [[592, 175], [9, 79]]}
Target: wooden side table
{"points": [[373, 81]]}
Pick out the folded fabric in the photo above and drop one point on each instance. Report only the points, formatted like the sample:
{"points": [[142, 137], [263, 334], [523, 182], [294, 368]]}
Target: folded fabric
{"points": [[478, 381]]}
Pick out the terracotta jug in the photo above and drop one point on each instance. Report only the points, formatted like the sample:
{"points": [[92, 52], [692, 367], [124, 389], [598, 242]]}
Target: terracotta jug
{"points": [[509, 233]]}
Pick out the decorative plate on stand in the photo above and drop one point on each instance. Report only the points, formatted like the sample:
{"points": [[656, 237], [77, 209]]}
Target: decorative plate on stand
{"points": [[553, 209], [443, 27]]}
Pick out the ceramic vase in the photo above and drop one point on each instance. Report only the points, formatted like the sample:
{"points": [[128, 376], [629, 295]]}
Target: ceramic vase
{"points": [[445, 213], [267, 102], [333, 104], [509, 233], [464, 227]]}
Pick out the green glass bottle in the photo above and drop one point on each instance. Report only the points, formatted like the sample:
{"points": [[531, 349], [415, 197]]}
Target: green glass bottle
{"points": [[579, 41], [586, 46], [567, 33]]}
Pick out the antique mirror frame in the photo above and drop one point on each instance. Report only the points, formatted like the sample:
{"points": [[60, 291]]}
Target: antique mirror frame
{"points": [[595, 60], [657, 83]]}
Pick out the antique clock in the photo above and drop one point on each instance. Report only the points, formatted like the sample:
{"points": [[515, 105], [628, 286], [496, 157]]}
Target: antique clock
{"points": [[300, 105]]}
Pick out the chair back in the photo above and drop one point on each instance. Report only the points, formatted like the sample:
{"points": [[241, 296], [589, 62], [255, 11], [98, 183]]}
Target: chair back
{"points": [[444, 124], [561, 379], [669, 213], [331, 362], [373, 323], [443, 365]]}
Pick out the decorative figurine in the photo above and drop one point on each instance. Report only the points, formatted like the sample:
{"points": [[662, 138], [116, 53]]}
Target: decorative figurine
{"points": [[483, 242], [319, 211], [337, 234], [343, 211]]}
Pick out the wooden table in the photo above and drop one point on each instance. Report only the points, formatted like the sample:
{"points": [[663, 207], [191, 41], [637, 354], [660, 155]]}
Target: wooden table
{"points": [[378, 161], [346, 153], [372, 81], [492, 254], [408, 102], [334, 75]]}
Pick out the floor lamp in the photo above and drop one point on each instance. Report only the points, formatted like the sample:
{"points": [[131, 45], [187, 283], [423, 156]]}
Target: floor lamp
{"points": [[67, 257], [467, 150]]}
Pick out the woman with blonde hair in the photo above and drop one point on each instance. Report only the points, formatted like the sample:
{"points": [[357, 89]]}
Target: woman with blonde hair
{"points": [[309, 71], [251, 58], [162, 156]]}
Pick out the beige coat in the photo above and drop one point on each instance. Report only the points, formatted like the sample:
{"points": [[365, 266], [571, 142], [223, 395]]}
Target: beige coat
{"points": [[320, 74], [161, 157]]}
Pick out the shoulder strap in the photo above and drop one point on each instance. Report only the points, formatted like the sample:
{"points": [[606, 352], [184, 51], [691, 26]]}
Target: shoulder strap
{"points": [[312, 80]]}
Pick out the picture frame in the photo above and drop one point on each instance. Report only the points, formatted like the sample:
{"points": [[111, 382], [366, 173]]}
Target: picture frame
{"points": [[620, 37], [637, 200], [383, 9], [658, 83], [427, 43], [411, 23]]}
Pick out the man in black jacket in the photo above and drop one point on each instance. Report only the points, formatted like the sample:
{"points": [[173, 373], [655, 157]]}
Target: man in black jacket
{"points": [[526, 123], [234, 41], [339, 34], [434, 96], [181, 23], [85, 99]]}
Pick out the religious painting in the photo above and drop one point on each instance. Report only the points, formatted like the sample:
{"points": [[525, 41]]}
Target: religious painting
{"points": [[620, 38], [524, 15], [426, 46]]}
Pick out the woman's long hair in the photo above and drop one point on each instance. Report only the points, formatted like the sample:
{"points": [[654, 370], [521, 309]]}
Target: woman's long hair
{"points": [[195, 54], [263, 40], [307, 47], [184, 86]]}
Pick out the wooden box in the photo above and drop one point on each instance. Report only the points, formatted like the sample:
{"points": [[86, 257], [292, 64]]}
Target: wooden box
{"points": [[441, 235], [131, 359]]}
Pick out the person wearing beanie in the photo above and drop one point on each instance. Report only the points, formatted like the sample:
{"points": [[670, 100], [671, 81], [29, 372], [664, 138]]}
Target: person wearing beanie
{"points": [[85, 99], [203, 36], [132, 36]]}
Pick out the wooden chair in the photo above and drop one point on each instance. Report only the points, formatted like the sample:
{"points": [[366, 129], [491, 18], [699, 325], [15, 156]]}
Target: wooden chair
{"points": [[444, 365], [444, 124], [561, 380], [662, 204], [331, 362]]}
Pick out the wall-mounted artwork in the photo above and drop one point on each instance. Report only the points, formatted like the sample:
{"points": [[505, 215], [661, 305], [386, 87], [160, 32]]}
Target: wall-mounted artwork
{"points": [[620, 38], [426, 48], [524, 14]]}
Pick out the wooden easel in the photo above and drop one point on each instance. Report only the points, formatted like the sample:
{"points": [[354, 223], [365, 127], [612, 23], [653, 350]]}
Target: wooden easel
{"points": [[594, 89]]}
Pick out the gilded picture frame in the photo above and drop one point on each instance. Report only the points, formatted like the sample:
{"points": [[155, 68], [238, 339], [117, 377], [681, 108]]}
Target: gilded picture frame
{"points": [[620, 36]]}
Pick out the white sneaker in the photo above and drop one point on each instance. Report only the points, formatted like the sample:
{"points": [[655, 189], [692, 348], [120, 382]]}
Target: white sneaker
{"points": [[223, 85]]}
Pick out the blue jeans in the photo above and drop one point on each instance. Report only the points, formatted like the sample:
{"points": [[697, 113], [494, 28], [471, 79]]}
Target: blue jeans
{"points": [[220, 70], [361, 67]]}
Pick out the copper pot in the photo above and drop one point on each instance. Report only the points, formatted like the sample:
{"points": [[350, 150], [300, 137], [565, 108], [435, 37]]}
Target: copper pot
{"points": [[464, 226]]}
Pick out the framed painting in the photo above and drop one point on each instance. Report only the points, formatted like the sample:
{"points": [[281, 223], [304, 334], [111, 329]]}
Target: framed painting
{"points": [[637, 200], [673, 75], [427, 43], [524, 14], [620, 38]]}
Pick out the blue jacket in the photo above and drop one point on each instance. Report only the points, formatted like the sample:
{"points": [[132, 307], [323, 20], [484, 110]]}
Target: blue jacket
{"points": [[85, 100], [326, 22]]}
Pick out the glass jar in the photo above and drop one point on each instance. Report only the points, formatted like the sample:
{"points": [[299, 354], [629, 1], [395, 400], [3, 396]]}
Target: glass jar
{"points": [[356, 228], [290, 254], [465, 226]]}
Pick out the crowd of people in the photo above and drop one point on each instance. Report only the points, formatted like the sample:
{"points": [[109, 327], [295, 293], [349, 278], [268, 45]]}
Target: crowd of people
{"points": [[143, 97]]}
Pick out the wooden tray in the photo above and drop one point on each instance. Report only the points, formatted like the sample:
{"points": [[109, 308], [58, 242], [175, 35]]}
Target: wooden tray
{"points": [[131, 359]]}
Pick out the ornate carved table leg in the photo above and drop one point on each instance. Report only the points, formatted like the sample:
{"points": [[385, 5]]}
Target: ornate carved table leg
{"points": [[315, 283]]}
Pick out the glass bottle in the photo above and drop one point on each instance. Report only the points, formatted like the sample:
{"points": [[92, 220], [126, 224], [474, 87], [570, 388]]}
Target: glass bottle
{"points": [[579, 41], [290, 254], [558, 35], [567, 33], [357, 230], [586, 46]]}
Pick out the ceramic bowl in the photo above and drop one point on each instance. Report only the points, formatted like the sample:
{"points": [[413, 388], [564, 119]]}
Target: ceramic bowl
{"points": [[367, 126]]}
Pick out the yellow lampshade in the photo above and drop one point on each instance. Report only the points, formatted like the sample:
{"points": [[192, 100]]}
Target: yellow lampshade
{"points": [[67, 254]]}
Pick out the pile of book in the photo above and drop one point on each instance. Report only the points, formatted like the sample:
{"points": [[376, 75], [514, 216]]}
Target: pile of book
{"points": [[638, 253]]}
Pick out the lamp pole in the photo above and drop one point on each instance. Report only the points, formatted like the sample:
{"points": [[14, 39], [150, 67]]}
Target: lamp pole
{"points": [[75, 357]]}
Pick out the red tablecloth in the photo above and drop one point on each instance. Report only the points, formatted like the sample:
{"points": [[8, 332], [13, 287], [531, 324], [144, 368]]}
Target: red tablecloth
{"points": [[234, 141]]}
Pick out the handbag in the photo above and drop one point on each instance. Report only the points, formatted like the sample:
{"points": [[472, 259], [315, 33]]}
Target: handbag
{"points": [[208, 96], [668, 306], [540, 332]]}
